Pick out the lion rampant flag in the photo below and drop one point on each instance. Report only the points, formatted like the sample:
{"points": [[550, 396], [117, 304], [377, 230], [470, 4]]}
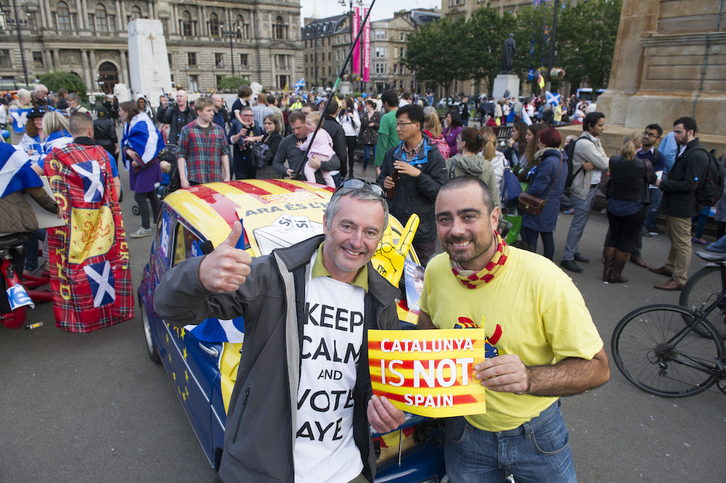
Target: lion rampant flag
{"points": [[89, 257]]}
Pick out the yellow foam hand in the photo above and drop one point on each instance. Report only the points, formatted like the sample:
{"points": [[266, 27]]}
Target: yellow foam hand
{"points": [[389, 258]]}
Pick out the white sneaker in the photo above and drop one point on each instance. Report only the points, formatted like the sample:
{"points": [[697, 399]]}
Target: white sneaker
{"points": [[153, 226], [141, 232]]}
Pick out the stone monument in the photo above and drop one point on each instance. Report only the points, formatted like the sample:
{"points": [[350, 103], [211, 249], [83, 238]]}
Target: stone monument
{"points": [[148, 60], [507, 80], [670, 61]]}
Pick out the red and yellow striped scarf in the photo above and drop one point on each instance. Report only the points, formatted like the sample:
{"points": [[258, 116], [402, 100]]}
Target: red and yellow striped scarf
{"points": [[472, 279]]}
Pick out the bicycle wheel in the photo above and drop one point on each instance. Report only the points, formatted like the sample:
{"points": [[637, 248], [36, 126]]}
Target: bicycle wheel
{"points": [[702, 289], [644, 351]]}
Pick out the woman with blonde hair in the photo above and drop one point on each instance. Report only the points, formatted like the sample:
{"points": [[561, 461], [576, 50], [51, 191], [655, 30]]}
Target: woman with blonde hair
{"points": [[496, 159], [433, 129], [628, 200], [56, 129]]}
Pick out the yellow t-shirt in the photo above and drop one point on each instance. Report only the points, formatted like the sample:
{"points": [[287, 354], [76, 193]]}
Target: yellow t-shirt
{"points": [[541, 317]]}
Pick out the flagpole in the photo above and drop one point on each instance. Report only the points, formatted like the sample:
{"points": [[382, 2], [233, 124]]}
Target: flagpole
{"points": [[335, 86]]}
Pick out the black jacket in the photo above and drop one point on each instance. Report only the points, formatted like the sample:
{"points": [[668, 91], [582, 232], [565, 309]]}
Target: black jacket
{"points": [[629, 180], [337, 134], [687, 173], [176, 119], [104, 134], [416, 194], [259, 435]]}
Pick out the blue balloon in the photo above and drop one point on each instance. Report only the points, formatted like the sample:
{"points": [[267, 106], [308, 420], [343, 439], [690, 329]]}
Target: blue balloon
{"points": [[5, 133]]}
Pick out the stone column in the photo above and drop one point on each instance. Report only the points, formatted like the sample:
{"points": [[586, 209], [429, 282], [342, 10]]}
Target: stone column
{"points": [[153, 9], [293, 78], [49, 15], [124, 23], [174, 20], [47, 60], [203, 22], [80, 20], [84, 7], [118, 17], [124, 68], [86, 70], [56, 59], [94, 74], [41, 13], [273, 69]]}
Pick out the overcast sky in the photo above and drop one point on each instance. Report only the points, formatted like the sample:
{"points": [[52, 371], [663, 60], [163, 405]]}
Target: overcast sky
{"points": [[382, 9]]}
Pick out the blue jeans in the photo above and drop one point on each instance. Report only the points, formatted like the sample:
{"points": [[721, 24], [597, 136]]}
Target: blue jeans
{"points": [[537, 451], [655, 196], [548, 241], [719, 246], [579, 220], [367, 149]]}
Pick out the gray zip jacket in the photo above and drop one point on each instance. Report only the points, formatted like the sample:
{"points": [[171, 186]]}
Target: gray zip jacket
{"points": [[587, 152], [261, 423]]}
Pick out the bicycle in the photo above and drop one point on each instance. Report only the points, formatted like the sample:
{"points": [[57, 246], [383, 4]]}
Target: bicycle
{"points": [[706, 284], [672, 351]]}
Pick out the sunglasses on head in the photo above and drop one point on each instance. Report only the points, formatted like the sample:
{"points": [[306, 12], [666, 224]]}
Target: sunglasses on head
{"points": [[357, 183]]}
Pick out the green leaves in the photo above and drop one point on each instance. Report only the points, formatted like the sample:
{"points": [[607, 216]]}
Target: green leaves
{"points": [[71, 81], [472, 49], [231, 83]]}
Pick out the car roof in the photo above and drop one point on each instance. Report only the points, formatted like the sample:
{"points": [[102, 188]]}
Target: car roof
{"points": [[213, 208]]}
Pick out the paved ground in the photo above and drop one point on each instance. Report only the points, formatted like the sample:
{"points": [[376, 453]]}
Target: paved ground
{"points": [[91, 408]]}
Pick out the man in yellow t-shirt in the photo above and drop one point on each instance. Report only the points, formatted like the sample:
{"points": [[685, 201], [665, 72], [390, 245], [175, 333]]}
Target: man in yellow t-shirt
{"points": [[536, 319]]}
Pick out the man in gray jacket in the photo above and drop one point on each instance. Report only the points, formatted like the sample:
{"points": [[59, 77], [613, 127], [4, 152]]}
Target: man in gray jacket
{"points": [[301, 407], [589, 160]]}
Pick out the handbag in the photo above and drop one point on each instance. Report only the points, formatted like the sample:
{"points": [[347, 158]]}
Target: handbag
{"points": [[533, 205], [262, 154]]}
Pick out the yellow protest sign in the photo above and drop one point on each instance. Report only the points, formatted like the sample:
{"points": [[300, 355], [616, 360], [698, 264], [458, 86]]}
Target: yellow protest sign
{"points": [[428, 372]]}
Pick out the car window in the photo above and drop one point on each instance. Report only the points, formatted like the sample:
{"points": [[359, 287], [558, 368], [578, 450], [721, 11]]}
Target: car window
{"points": [[186, 244]]}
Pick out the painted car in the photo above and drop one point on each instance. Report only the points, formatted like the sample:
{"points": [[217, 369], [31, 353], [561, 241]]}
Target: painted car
{"points": [[274, 213]]}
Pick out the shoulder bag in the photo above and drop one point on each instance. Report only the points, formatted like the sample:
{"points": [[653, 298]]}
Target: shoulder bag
{"points": [[533, 205]]}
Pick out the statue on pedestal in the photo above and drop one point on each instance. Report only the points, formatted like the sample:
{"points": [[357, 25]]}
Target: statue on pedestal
{"points": [[508, 55]]}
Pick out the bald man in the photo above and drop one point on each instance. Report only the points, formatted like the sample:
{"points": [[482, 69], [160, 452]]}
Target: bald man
{"points": [[220, 113], [177, 116]]}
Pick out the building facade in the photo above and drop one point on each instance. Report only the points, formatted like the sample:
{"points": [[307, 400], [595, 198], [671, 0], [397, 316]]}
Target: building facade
{"points": [[327, 42], [90, 38]]}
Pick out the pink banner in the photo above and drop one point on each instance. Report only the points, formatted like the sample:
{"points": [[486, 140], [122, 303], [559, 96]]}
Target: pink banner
{"points": [[366, 49], [356, 50]]}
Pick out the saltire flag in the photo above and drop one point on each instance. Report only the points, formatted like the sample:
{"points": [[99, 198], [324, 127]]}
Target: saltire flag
{"points": [[101, 280], [299, 84], [216, 330], [540, 80], [18, 118], [525, 117], [553, 98], [90, 173], [15, 171], [141, 136], [57, 139], [90, 275]]}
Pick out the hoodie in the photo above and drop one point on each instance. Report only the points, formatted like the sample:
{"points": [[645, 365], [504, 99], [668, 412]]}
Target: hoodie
{"points": [[477, 166]]}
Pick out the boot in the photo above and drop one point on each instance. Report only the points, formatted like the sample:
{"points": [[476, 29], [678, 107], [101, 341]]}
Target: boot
{"points": [[620, 260], [608, 255]]}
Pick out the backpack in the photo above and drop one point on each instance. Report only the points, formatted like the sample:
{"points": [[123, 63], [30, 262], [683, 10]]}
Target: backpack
{"points": [[570, 152], [263, 154], [712, 186]]}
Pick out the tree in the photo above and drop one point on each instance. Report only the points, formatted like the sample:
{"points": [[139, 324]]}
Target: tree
{"points": [[486, 33], [433, 52], [231, 83], [588, 32], [71, 81], [532, 39]]}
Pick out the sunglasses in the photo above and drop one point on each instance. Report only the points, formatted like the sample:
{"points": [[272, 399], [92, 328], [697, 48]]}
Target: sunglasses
{"points": [[357, 184]]}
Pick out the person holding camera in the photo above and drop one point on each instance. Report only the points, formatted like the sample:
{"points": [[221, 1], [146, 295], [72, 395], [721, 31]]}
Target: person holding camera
{"points": [[349, 118]]}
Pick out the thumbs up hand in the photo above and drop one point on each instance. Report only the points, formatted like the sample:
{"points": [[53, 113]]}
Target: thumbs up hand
{"points": [[227, 267]]}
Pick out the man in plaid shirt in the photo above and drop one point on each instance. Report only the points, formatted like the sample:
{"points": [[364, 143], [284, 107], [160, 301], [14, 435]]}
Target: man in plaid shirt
{"points": [[203, 148]]}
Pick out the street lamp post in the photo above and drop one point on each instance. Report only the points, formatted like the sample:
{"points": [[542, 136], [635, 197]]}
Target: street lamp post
{"points": [[552, 43], [353, 33], [20, 40], [231, 33], [315, 64]]}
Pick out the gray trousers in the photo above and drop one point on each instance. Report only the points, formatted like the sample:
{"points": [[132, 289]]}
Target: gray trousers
{"points": [[579, 220]]}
